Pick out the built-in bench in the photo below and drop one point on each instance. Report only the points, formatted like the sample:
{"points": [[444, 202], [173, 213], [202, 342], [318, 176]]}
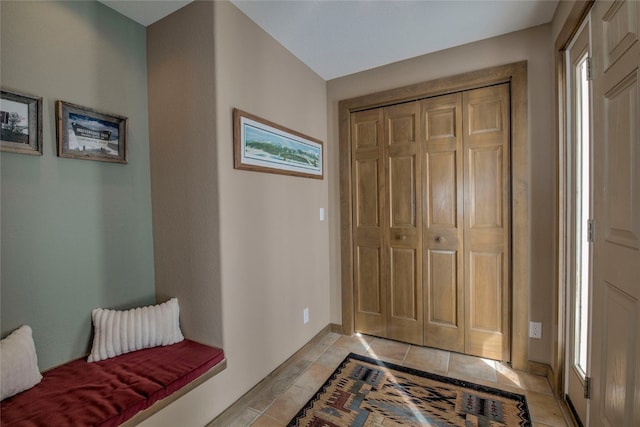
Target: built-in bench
{"points": [[121, 391]]}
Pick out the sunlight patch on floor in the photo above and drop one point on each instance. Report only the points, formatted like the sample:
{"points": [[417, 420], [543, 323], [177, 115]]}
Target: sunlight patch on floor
{"points": [[412, 408]]}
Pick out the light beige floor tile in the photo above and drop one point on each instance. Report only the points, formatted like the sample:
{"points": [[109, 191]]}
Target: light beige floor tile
{"points": [[544, 409], [463, 366], [522, 380], [237, 415], [330, 338], [290, 370], [390, 351], [313, 378], [235, 418], [289, 403], [277, 382], [427, 359], [333, 357], [311, 352], [266, 392], [266, 421], [355, 343]]}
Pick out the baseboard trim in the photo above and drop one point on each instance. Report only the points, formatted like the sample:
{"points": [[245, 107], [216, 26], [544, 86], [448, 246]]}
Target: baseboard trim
{"points": [[538, 368], [335, 328]]}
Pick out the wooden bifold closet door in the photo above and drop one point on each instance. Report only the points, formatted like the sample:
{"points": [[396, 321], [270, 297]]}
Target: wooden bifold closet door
{"points": [[431, 221]]}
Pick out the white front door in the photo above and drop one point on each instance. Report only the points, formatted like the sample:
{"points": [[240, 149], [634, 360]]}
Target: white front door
{"points": [[615, 363], [579, 218]]}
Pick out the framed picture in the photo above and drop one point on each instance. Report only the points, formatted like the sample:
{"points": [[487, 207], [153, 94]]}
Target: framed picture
{"points": [[20, 123], [84, 133], [263, 146]]}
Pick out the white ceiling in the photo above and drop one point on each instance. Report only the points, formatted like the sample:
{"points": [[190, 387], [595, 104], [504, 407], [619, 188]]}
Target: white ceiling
{"points": [[146, 12], [337, 38]]}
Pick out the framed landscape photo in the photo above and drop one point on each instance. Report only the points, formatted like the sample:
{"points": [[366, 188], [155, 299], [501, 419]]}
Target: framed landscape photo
{"points": [[263, 146], [84, 133], [20, 123]]}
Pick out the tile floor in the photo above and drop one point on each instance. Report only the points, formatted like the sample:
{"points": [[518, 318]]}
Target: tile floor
{"points": [[275, 400]]}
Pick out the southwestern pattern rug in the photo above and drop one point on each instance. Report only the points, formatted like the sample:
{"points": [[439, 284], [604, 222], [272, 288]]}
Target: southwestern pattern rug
{"points": [[368, 392]]}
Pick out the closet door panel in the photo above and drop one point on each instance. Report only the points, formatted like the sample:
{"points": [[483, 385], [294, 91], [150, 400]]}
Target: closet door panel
{"points": [[442, 203], [367, 178], [442, 282], [403, 238], [486, 225], [485, 290], [402, 191], [403, 280], [441, 185], [368, 202], [368, 270], [486, 187]]}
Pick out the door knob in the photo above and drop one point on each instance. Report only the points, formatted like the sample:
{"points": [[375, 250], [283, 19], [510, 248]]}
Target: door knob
{"points": [[439, 239], [402, 237]]}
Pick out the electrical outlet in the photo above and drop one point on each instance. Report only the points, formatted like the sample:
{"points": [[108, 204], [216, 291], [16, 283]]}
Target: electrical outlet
{"points": [[305, 315], [535, 330]]}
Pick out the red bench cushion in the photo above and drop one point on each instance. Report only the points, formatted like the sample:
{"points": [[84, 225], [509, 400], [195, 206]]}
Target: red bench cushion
{"points": [[109, 392]]}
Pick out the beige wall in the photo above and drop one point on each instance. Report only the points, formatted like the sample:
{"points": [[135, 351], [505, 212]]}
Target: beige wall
{"points": [[266, 253], [533, 45], [274, 249], [184, 183]]}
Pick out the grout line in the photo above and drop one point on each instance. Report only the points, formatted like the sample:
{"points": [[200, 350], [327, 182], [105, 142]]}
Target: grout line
{"points": [[274, 401], [406, 353], [256, 418], [302, 356], [448, 363]]}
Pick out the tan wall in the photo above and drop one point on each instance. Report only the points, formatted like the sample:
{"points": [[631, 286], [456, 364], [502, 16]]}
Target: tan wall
{"points": [[184, 184], [265, 249], [275, 256], [532, 45]]}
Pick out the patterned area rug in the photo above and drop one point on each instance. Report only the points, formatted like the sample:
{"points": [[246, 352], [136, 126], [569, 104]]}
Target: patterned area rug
{"points": [[368, 392]]}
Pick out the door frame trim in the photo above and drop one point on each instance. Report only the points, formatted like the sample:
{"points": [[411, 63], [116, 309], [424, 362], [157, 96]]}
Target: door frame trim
{"points": [[516, 75], [577, 14]]}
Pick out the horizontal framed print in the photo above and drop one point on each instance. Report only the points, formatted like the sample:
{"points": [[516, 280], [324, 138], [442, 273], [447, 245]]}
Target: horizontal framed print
{"points": [[20, 123], [263, 146], [84, 133]]}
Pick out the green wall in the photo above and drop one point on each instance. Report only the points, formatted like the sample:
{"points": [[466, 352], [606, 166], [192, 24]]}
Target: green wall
{"points": [[76, 234]]}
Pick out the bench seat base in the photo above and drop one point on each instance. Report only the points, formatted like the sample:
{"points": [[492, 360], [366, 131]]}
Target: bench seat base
{"points": [[112, 391]]}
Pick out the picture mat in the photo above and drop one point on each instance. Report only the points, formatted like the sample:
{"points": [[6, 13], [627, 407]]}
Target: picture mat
{"points": [[8, 106], [78, 138], [302, 150], [27, 140]]}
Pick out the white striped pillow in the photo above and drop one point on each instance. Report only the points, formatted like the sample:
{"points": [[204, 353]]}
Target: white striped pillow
{"points": [[118, 332]]}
